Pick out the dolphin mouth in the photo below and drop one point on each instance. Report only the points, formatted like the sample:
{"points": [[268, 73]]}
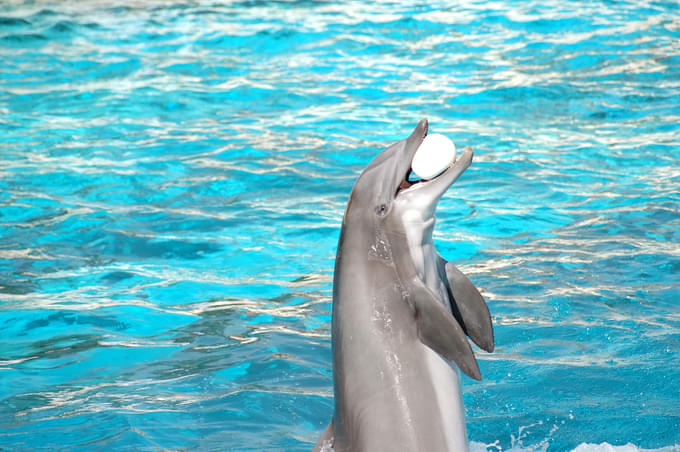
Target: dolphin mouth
{"points": [[406, 182]]}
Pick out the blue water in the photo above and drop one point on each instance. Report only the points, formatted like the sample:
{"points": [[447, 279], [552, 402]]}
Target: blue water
{"points": [[173, 177]]}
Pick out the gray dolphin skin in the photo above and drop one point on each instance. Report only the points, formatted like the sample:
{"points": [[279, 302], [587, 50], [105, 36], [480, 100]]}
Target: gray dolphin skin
{"points": [[401, 314]]}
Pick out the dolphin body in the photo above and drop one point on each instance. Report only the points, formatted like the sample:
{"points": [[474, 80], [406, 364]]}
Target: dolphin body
{"points": [[401, 313]]}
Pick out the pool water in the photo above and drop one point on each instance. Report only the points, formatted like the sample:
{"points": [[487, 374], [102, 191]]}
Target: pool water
{"points": [[173, 177]]}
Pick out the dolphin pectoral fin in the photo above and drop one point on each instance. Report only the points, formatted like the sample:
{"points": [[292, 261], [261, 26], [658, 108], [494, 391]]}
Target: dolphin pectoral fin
{"points": [[469, 307], [440, 331], [325, 442]]}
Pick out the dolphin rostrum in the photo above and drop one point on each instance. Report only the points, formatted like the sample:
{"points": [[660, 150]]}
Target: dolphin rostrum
{"points": [[401, 314]]}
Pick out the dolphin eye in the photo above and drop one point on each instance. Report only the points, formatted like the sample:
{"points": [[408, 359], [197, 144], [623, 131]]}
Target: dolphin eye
{"points": [[381, 210]]}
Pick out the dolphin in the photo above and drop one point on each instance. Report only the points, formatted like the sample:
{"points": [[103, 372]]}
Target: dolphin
{"points": [[401, 314]]}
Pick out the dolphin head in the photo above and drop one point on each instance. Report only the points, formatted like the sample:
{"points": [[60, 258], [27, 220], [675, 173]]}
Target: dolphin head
{"points": [[384, 187]]}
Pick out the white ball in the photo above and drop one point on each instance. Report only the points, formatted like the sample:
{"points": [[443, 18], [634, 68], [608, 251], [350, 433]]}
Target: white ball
{"points": [[434, 156]]}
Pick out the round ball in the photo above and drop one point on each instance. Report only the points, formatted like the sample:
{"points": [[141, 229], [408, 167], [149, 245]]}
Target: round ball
{"points": [[434, 156]]}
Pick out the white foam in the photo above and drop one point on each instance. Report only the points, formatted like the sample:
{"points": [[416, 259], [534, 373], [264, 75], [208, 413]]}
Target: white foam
{"points": [[583, 447], [606, 447]]}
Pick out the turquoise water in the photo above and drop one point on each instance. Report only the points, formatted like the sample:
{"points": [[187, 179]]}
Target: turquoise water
{"points": [[173, 177]]}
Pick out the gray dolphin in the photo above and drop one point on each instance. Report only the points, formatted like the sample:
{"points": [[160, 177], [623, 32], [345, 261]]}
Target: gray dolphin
{"points": [[401, 313]]}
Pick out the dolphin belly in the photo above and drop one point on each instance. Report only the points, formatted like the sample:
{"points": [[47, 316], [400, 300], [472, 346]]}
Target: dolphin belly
{"points": [[418, 408], [446, 384]]}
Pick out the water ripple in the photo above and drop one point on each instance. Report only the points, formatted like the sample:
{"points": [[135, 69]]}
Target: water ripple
{"points": [[173, 177]]}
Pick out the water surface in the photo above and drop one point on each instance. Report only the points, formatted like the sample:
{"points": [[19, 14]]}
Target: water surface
{"points": [[173, 177]]}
